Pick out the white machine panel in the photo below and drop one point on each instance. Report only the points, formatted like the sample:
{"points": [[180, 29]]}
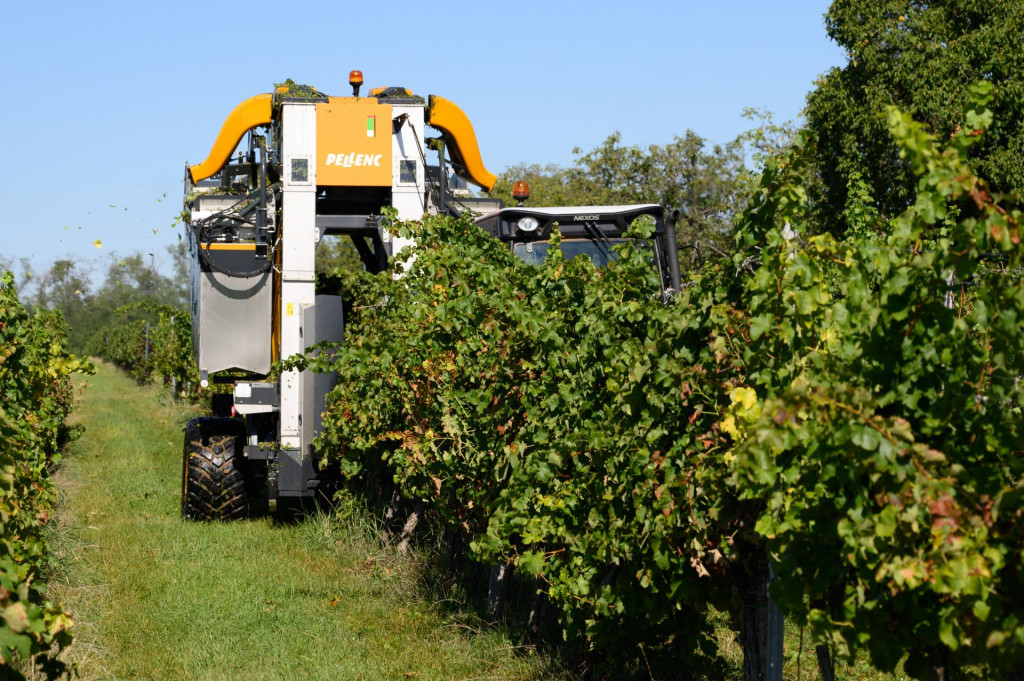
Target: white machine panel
{"points": [[409, 185], [298, 228]]}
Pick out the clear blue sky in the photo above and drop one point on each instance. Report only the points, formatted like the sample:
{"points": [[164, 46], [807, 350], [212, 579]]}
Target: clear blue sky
{"points": [[103, 103]]}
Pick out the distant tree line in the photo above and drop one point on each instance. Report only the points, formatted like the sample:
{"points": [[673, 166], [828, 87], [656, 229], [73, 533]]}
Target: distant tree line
{"points": [[90, 303], [707, 182]]}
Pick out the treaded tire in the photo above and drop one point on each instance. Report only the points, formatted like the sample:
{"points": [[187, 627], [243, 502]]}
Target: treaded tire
{"points": [[213, 483]]}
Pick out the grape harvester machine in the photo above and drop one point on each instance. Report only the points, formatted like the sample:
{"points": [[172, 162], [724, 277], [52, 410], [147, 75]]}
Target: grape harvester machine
{"points": [[288, 169]]}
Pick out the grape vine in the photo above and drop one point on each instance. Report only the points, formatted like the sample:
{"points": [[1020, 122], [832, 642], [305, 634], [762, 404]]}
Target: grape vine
{"points": [[847, 411], [35, 399]]}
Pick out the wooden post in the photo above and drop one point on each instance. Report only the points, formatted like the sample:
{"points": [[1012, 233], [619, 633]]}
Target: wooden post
{"points": [[761, 626], [825, 665], [538, 612], [496, 590], [775, 635]]}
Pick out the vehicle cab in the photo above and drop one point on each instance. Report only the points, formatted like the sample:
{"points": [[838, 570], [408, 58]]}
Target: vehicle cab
{"points": [[592, 231]]}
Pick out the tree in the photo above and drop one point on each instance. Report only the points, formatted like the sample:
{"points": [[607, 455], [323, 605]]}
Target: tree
{"points": [[922, 57], [180, 263], [135, 277], [22, 277], [337, 252], [549, 184], [766, 140], [67, 286], [705, 182]]}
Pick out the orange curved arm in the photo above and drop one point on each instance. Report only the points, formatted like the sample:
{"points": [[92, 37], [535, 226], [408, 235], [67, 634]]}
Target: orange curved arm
{"points": [[461, 141], [246, 116]]}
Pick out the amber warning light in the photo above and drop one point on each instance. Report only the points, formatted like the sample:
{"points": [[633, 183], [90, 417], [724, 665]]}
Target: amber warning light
{"points": [[520, 191], [355, 79]]}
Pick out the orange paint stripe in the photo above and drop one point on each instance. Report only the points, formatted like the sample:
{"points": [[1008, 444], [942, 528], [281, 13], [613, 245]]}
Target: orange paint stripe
{"points": [[231, 247]]}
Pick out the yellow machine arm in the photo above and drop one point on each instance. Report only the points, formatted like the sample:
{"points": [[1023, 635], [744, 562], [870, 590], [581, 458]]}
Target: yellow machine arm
{"points": [[246, 116], [441, 113], [461, 141]]}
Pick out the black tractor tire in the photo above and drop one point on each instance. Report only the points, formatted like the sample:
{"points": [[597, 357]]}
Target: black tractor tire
{"points": [[213, 479]]}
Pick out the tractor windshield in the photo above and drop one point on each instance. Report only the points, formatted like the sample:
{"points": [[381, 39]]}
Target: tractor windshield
{"points": [[534, 252]]}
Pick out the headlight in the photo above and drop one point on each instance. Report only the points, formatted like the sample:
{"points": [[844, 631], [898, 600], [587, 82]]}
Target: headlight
{"points": [[527, 224]]}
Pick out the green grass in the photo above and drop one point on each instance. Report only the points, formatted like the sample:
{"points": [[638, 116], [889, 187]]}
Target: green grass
{"points": [[155, 597]]}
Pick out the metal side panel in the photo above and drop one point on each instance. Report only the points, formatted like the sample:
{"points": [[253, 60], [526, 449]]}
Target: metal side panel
{"points": [[296, 469], [330, 326], [310, 418], [321, 322], [234, 316], [294, 472]]}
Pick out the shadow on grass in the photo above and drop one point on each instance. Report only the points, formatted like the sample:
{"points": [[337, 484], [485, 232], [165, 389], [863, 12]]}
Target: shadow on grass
{"points": [[436, 571], [438, 562]]}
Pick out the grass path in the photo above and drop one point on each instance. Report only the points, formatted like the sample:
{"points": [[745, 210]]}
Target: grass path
{"points": [[155, 597]]}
